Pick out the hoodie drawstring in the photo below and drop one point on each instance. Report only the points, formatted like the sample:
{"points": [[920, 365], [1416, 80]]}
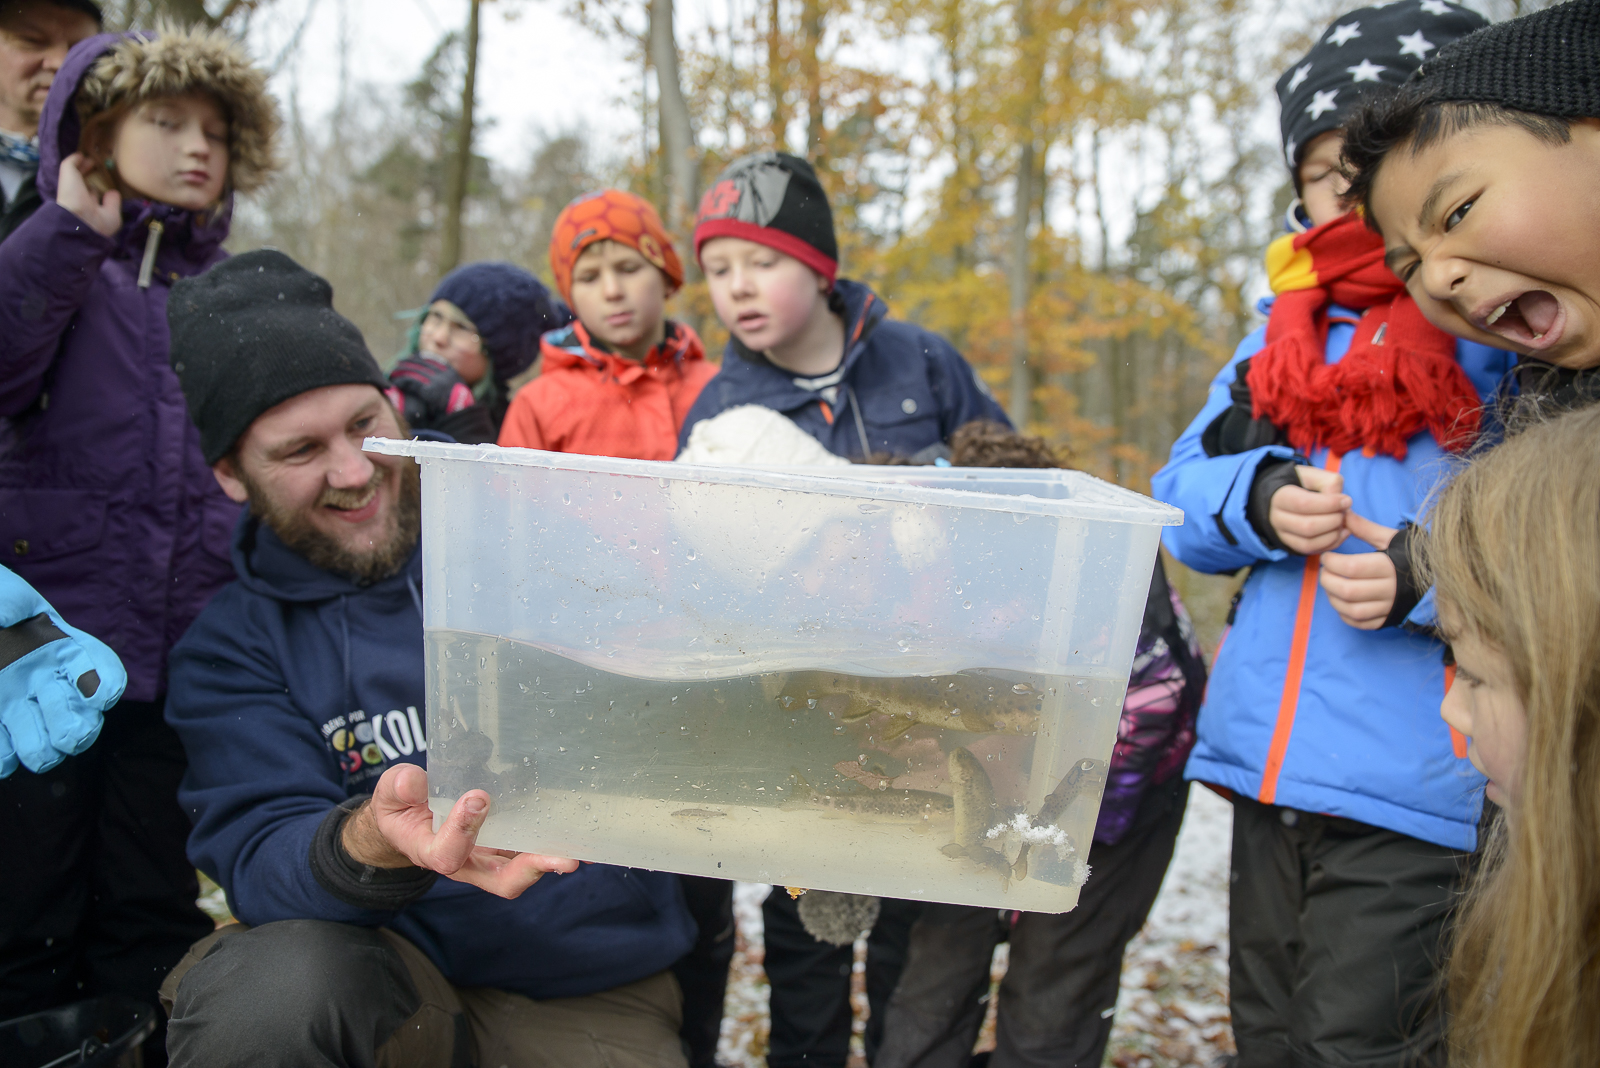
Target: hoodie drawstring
{"points": [[344, 616], [151, 244], [861, 427]]}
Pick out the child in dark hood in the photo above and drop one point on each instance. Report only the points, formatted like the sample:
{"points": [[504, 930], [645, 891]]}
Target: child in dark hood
{"points": [[820, 349], [107, 506], [476, 344]]}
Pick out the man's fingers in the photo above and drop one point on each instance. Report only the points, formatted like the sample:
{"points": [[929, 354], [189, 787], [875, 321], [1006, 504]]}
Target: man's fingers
{"points": [[1374, 534], [506, 873], [453, 844]]}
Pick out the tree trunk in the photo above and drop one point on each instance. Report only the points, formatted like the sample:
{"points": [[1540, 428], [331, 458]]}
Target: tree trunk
{"points": [[777, 83], [1021, 405], [811, 70], [456, 195], [677, 134]]}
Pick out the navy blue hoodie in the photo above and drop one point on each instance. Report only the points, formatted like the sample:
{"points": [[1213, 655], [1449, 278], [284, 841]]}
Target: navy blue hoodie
{"points": [[293, 691], [909, 387]]}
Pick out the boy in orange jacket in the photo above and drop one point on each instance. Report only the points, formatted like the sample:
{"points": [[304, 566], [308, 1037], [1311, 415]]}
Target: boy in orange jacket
{"points": [[619, 380]]}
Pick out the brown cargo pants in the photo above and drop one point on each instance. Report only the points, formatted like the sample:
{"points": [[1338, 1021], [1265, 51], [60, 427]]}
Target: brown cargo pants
{"points": [[310, 992]]}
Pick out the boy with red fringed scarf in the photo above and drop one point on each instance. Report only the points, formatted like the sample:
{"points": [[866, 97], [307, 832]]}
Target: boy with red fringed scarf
{"points": [[1354, 807]]}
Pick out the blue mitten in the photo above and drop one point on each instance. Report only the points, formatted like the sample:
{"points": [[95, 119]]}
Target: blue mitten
{"points": [[55, 681]]}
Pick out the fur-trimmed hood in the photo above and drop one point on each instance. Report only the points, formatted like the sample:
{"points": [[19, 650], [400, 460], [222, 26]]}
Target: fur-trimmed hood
{"points": [[108, 70]]}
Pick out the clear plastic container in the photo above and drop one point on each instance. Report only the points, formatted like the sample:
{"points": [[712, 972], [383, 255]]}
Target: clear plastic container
{"points": [[882, 680]]}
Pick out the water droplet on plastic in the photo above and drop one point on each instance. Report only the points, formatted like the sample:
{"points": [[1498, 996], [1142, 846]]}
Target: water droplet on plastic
{"points": [[674, 699], [691, 554], [903, 644], [1096, 701], [1018, 517], [597, 539], [566, 498], [966, 604], [527, 762], [1023, 687], [787, 701], [1081, 684], [811, 702], [616, 495]]}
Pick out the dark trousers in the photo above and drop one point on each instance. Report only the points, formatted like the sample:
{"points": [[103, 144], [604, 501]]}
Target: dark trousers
{"points": [[99, 897], [310, 992], [703, 971], [810, 983], [1060, 986], [1336, 935]]}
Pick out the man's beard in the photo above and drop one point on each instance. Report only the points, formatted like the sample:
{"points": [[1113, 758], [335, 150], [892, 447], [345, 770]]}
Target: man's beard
{"points": [[393, 547]]}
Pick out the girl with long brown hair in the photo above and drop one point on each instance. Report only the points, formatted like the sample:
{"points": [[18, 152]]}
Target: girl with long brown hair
{"points": [[1515, 558]]}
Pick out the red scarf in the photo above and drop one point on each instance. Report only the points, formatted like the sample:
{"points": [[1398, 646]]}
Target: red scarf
{"points": [[1400, 374]]}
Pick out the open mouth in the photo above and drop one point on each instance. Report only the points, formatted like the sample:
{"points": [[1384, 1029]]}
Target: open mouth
{"points": [[1534, 319], [752, 320]]}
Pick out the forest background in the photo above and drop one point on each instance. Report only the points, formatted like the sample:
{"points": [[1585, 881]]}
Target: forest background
{"points": [[1077, 193]]}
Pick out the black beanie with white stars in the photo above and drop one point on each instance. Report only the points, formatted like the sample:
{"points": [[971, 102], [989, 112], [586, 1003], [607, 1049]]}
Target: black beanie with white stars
{"points": [[1365, 50], [1546, 63]]}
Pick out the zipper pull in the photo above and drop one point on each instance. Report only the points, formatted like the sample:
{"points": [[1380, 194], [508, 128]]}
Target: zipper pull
{"points": [[151, 244]]}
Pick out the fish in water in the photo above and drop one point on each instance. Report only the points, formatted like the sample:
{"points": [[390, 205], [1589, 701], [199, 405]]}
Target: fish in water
{"points": [[972, 704], [975, 811], [897, 805], [697, 814], [1084, 774]]}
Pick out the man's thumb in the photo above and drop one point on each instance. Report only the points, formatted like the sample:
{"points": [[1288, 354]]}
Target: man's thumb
{"points": [[1374, 534]]}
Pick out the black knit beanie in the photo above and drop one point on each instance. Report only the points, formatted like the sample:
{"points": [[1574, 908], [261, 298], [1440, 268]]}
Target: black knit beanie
{"points": [[1546, 63], [1370, 49], [87, 7], [773, 199], [252, 332]]}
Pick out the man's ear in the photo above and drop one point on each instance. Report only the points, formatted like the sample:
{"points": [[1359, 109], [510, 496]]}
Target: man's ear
{"points": [[227, 477]]}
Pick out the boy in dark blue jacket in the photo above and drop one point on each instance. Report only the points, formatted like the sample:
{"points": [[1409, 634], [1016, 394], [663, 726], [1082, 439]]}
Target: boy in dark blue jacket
{"points": [[298, 690], [820, 349]]}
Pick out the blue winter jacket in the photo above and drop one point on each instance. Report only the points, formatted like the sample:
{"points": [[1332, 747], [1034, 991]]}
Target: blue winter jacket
{"points": [[900, 388], [1360, 736], [293, 691]]}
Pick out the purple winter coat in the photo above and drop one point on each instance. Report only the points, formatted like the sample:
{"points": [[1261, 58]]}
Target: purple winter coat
{"points": [[106, 504]]}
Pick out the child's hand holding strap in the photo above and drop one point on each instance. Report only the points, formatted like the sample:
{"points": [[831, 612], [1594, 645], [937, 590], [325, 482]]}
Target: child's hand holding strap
{"points": [[1310, 518]]}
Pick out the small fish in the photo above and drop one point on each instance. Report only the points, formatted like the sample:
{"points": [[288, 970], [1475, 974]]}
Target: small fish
{"points": [[975, 810], [946, 702], [697, 814], [1083, 774]]}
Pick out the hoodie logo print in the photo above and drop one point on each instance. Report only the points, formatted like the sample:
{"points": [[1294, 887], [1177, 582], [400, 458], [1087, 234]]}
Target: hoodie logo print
{"points": [[362, 744]]}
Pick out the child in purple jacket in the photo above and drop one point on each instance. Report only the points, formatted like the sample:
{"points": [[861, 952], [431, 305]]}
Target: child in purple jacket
{"points": [[106, 505], [1060, 988]]}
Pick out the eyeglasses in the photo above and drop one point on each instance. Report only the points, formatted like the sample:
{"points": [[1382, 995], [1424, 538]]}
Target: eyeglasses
{"points": [[452, 328]]}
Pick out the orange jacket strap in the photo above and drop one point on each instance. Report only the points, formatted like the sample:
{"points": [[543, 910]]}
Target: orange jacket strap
{"points": [[1295, 675], [1458, 741]]}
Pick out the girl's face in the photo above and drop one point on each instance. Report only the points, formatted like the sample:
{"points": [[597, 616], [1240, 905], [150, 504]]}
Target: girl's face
{"points": [[1483, 704], [762, 296], [173, 150], [448, 334]]}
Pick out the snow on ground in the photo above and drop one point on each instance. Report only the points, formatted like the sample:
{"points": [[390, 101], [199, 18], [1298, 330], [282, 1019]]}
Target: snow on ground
{"points": [[1174, 1005]]}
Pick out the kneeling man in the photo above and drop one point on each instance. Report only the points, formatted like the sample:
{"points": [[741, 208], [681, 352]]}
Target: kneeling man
{"points": [[298, 694]]}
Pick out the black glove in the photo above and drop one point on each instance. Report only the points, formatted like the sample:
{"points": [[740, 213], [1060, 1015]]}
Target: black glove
{"points": [[431, 389]]}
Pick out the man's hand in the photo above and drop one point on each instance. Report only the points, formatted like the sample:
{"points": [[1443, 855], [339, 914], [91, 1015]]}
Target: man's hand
{"points": [[1362, 586], [103, 213], [395, 830], [1309, 518]]}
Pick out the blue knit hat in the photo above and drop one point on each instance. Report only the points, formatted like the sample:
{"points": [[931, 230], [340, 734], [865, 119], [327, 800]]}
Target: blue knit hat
{"points": [[510, 308]]}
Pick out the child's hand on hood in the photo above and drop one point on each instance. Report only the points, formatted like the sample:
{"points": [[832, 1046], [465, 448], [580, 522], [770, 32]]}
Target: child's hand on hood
{"points": [[102, 212]]}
